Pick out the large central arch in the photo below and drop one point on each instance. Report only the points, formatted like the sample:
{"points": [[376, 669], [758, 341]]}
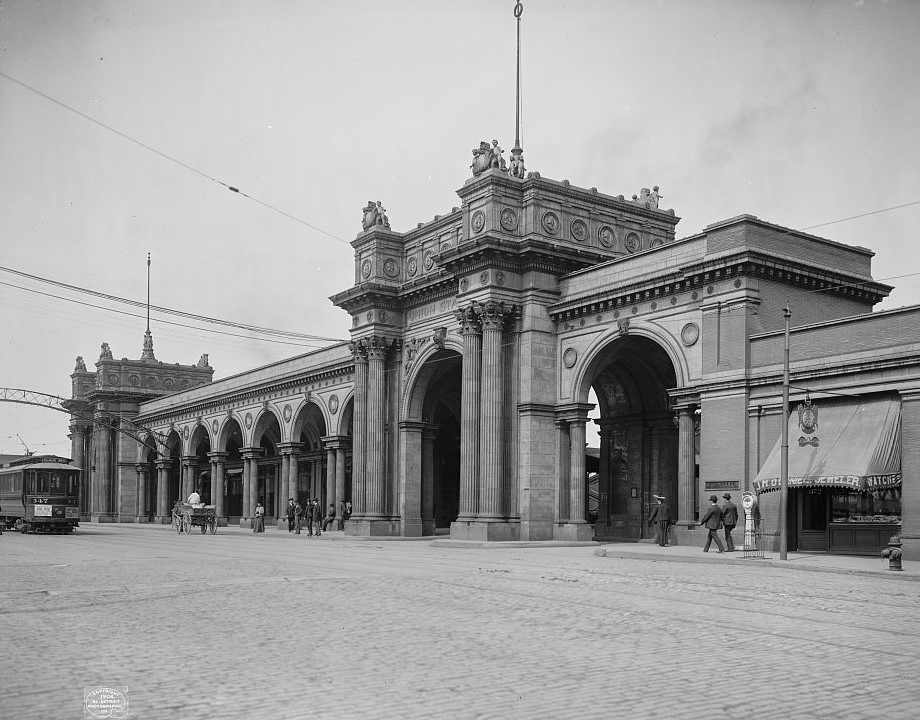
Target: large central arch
{"points": [[430, 445], [630, 376]]}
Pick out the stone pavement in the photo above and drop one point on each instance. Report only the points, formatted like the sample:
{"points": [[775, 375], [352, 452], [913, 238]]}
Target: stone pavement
{"points": [[284, 626]]}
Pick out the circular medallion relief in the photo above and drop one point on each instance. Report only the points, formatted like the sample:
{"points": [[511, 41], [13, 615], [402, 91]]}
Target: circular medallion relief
{"points": [[412, 266], [632, 242], [113, 379], [429, 261], [656, 243], [135, 380], [168, 383], [334, 404], [390, 268], [464, 285], [483, 278], [569, 357], [183, 384], [579, 230], [248, 420], [605, 236], [286, 413], [499, 278], [214, 426], [150, 382], [709, 290], [382, 315], [551, 223], [370, 315], [366, 269], [509, 219], [690, 334], [478, 221]]}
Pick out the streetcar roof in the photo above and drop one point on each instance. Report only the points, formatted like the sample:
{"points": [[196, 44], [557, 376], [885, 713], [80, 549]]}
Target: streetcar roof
{"points": [[40, 466]]}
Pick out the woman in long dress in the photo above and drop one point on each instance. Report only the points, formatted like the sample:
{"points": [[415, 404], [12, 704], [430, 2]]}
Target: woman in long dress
{"points": [[259, 524]]}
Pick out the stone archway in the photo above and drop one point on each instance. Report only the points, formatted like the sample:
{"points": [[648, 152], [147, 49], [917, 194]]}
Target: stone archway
{"points": [[230, 442], [174, 474], [430, 443], [308, 430], [199, 447], [630, 377], [267, 437]]}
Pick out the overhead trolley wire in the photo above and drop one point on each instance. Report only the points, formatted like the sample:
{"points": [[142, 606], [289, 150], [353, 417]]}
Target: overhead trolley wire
{"points": [[167, 311], [170, 158]]}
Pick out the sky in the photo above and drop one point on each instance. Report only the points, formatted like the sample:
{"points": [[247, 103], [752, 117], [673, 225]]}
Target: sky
{"points": [[123, 123]]}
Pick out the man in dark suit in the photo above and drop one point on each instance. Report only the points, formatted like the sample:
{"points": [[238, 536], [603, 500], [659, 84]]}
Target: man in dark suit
{"points": [[729, 520], [712, 519], [661, 514]]}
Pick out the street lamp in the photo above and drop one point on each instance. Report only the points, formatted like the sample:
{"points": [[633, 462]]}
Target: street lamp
{"points": [[784, 447]]}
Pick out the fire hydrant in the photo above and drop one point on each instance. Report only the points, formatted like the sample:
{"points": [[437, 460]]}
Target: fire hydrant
{"points": [[893, 553]]}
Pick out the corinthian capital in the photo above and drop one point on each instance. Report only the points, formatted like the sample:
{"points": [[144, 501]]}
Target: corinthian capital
{"points": [[468, 318], [494, 314]]}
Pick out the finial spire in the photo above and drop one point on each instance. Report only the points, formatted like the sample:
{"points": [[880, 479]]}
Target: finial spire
{"points": [[148, 338], [518, 11]]}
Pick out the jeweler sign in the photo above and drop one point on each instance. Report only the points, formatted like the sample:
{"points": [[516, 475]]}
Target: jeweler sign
{"points": [[856, 483]]}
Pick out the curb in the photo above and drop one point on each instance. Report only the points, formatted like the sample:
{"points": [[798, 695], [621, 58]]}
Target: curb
{"points": [[758, 562]]}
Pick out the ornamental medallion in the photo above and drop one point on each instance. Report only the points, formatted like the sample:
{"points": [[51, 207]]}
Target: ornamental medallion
{"points": [[478, 221], [579, 230]]}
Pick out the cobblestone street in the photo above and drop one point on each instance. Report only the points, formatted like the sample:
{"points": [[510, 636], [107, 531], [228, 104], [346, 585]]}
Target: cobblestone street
{"points": [[285, 626]]}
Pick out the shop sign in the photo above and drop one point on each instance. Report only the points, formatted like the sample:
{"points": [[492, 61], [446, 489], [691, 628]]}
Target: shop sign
{"points": [[723, 485]]}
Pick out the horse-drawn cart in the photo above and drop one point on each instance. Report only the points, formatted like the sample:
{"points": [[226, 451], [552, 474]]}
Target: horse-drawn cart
{"points": [[186, 516]]}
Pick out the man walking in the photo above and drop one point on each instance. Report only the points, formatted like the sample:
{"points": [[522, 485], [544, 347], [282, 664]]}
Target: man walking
{"points": [[729, 520], [291, 514], [712, 519], [661, 515]]}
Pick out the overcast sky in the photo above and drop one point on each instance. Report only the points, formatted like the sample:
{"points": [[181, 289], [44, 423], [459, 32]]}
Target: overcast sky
{"points": [[801, 113]]}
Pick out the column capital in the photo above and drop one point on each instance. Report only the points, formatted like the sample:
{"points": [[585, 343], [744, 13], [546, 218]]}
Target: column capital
{"points": [[493, 314], [334, 442], [358, 350], [251, 453], [164, 463], [468, 317], [218, 456], [290, 448], [189, 460]]}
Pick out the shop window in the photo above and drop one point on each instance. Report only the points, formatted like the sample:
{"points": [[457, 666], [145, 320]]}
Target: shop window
{"points": [[882, 506]]}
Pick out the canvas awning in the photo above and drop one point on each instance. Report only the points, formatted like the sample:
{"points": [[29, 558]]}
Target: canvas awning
{"points": [[858, 449]]}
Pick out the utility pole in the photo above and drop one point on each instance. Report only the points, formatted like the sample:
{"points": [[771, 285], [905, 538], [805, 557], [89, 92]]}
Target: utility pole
{"points": [[784, 447]]}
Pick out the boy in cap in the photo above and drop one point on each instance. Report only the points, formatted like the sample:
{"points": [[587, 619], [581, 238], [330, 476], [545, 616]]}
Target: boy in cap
{"points": [[712, 519], [729, 520]]}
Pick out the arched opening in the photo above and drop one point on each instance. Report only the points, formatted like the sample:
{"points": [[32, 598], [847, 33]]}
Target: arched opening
{"points": [[173, 483], [148, 459], [630, 378], [230, 442], [267, 437], [309, 428], [434, 414], [200, 446]]}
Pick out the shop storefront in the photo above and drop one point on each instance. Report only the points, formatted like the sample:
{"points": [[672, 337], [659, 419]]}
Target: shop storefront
{"points": [[844, 477]]}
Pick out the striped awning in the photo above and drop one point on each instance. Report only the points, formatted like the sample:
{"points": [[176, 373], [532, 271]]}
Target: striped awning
{"points": [[858, 449]]}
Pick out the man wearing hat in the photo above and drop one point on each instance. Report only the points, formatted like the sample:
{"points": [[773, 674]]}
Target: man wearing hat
{"points": [[661, 514], [712, 519], [729, 520]]}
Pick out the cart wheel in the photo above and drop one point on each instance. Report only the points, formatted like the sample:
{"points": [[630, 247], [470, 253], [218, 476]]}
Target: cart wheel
{"points": [[186, 523], [204, 528], [212, 525]]}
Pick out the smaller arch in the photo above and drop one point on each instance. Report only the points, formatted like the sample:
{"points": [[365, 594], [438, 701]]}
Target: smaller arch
{"points": [[421, 375], [592, 357]]}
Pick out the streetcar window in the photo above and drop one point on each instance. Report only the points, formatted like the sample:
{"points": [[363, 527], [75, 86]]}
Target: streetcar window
{"points": [[73, 484], [56, 484], [41, 485]]}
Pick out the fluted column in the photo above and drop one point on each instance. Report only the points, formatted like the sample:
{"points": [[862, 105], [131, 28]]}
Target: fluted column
{"points": [[250, 481], [686, 462], [163, 467], [103, 476], [141, 506], [376, 427], [428, 436], [359, 432], [330, 477], [492, 316], [469, 412], [564, 463], [340, 482], [577, 475], [218, 489], [189, 467]]}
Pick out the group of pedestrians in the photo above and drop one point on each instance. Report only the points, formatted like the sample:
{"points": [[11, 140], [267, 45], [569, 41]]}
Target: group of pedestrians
{"points": [[310, 513], [716, 517]]}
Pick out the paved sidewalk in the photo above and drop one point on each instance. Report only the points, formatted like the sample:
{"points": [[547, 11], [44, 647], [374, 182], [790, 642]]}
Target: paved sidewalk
{"points": [[818, 562]]}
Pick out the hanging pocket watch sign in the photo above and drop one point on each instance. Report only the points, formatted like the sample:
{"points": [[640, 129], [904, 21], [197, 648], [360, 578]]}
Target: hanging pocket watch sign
{"points": [[808, 423]]}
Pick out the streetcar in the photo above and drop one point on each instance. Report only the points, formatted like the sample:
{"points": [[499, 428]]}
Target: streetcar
{"points": [[41, 494]]}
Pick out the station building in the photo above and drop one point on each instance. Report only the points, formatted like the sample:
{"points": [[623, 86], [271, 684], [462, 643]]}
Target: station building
{"points": [[484, 341]]}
